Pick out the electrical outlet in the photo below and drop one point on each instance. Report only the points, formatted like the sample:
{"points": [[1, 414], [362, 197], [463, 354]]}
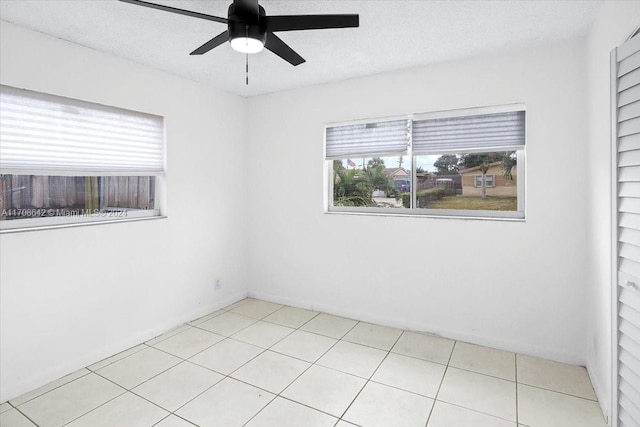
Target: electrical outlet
{"points": [[218, 284]]}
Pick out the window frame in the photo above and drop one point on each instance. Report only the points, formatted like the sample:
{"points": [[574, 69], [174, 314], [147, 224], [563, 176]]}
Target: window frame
{"points": [[106, 215], [518, 215]]}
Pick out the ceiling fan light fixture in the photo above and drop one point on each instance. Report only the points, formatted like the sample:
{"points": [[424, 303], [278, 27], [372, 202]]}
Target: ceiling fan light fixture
{"points": [[247, 44]]}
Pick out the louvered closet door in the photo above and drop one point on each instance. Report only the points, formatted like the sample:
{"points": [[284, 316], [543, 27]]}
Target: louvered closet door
{"points": [[626, 106]]}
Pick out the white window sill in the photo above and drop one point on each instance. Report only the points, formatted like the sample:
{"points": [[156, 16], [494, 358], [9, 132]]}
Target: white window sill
{"points": [[431, 213], [34, 224]]}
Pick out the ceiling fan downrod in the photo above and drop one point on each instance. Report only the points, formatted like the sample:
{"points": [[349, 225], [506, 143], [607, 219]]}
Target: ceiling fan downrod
{"points": [[247, 61]]}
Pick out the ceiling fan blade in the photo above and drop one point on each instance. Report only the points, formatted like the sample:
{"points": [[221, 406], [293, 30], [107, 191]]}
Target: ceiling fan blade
{"points": [[280, 48], [246, 7], [175, 10], [214, 42], [311, 22]]}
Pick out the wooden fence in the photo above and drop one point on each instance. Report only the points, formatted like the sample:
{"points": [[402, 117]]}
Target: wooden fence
{"points": [[69, 193]]}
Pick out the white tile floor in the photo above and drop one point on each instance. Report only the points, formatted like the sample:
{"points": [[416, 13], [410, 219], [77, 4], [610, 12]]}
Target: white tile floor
{"points": [[259, 364]]}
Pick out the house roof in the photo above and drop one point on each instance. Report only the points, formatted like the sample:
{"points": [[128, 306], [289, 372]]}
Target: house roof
{"points": [[396, 171], [477, 168]]}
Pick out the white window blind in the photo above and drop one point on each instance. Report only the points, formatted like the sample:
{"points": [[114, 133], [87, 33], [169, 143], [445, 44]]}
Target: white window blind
{"points": [[44, 134], [377, 138], [465, 133]]}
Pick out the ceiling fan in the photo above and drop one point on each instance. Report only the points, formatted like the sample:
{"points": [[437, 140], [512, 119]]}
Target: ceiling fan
{"points": [[249, 29]]}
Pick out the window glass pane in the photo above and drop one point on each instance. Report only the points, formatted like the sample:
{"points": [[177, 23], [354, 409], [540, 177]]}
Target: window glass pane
{"points": [[372, 182], [473, 181], [37, 196]]}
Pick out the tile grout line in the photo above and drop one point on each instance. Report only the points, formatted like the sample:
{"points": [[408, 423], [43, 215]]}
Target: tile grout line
{"points": [[558, 392], [46, 392], [182, 358], [480, 373], [163, 419], [225, 376], [314, 363], [297, 328], [99, 406], [150, 378], [369, 379], [473, 372], [296, 378], [26, 416], [457, 405], [276, 395], [444, 374], [515, 356], [235, 332], [309, 367], [173, 332], [131, 390], [143, 344]]}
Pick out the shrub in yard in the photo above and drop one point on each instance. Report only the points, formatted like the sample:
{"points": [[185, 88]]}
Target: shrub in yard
{"points": [[354, 200], [393, 193], [406, 199], [426, 196]]}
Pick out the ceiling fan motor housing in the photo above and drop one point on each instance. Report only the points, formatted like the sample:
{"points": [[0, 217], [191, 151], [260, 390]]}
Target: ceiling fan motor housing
{"points": [[244, 24]]}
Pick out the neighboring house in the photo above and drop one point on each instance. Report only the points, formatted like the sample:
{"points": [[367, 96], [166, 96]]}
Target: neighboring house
{"points": [[497, 184], [401, 178], [398, 174]]}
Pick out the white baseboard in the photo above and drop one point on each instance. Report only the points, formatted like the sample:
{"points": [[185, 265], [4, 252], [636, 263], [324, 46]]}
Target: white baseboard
{"points": [[397, 322], [602, 394]]}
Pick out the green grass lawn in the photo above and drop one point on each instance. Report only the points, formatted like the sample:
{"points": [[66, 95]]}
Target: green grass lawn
{"points": [[476, 203]]}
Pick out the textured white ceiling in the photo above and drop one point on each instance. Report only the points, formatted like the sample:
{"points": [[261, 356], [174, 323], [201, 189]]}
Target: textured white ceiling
{"points": [[392, 35]]}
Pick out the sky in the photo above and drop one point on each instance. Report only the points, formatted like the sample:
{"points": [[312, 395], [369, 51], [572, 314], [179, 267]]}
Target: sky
{"points": [[425, 162]]}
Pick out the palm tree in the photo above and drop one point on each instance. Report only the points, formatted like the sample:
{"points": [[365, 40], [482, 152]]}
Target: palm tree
{"points": [[349, 187], [484, 167], [354, 187], [374, 174]]}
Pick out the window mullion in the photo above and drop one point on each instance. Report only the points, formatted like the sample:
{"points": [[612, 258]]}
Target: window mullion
{"points": [[412, 187]]}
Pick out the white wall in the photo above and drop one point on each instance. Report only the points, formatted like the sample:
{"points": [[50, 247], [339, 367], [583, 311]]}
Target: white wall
{"points": [[71, 297], [614, 23], [514, 285]]}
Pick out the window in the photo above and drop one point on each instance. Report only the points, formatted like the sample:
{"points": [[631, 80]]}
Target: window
{"points": [[463, 163], [488, 180], [65, 161]]}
